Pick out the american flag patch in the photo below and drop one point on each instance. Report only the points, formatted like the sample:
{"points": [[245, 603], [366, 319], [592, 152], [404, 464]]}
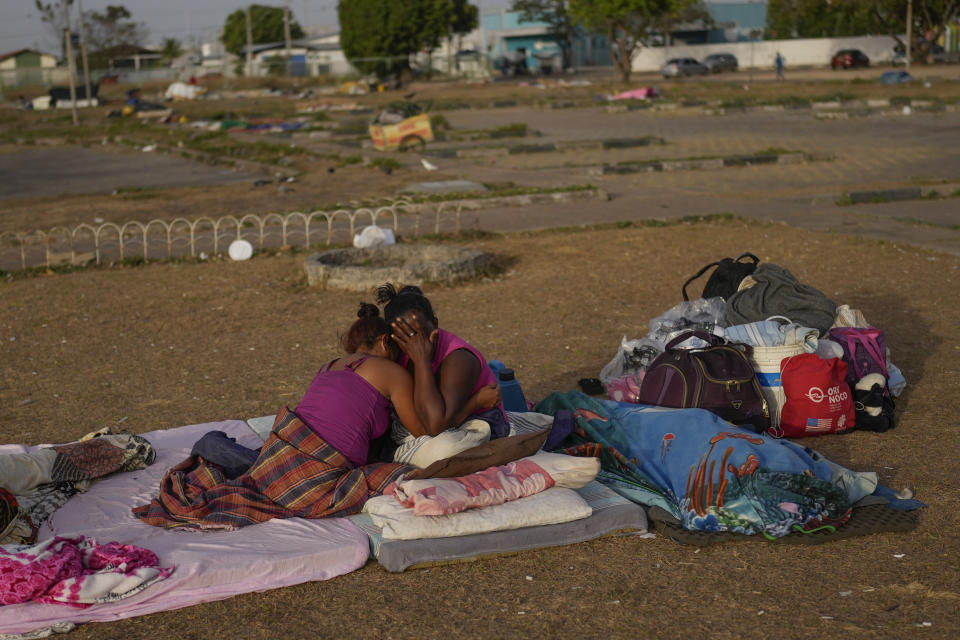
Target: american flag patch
{"points": [[819, 424]]}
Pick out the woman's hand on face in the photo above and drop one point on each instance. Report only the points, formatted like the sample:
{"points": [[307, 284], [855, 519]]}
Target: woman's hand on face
{"points": [[411, 339], [488, 396]]}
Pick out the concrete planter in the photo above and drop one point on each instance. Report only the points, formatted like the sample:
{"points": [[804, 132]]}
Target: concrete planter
{"points": [[365, 269]]}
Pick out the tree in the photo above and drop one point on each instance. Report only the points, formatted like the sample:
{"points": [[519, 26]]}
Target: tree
{"points": [[681, 13], [105, 30], [171, 49], [445, 19], [51, 14], [434, 26], [464, 18], [378, 36], [826, 18], [819, 18], [555, 13], [113, 27], [629, 24], [266, 25]]}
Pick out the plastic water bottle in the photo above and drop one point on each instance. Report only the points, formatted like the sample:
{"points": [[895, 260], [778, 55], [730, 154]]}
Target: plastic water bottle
{"points": [[510, 392], [497, 367]]}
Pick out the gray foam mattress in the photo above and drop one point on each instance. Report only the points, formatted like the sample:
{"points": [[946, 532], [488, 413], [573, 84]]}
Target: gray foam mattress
{"points": [[611, 514]]}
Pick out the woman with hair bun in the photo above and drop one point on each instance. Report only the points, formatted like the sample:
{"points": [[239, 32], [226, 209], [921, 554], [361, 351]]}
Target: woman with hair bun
{"points": [[349, 401], [316, 461], [447, 370]]}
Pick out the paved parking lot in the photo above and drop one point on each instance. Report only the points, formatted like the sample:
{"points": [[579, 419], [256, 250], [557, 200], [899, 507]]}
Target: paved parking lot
{"points": [[859, 153], [74, 170]]}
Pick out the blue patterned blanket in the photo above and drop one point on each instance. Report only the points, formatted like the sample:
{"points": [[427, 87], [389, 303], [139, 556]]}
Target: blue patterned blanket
{"points": [[709, 474]]}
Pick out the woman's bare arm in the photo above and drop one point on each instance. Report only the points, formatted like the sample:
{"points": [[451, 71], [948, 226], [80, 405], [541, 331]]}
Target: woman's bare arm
{"points": [[439, 400]]}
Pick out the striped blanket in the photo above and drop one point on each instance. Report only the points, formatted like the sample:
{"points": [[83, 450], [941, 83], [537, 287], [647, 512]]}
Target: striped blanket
{"points": [[297, 475]]}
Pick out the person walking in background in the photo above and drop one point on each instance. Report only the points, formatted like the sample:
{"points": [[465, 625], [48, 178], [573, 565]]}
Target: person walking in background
{"points": [[778, 62]]}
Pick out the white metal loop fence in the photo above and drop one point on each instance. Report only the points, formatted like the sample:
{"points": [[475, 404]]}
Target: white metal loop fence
{"points": [[164, 239]]}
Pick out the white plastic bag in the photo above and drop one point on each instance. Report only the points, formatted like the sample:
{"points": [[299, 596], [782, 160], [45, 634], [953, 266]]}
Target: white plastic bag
{"points": [[703, 314], [632, 357], [373, 236]]}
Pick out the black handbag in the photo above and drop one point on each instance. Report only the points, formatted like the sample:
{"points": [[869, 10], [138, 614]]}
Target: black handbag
{"points": [[723, 282]]}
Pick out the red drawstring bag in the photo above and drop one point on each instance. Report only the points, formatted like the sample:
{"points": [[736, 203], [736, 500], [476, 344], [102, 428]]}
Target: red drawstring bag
{"points": [[818, 398]]}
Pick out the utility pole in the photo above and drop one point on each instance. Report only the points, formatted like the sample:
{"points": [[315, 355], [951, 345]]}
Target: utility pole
{"points": [[286, 32], [83, 55], [249, 44], [753, 43], [909, 33], [70, 62], [186, 24]]}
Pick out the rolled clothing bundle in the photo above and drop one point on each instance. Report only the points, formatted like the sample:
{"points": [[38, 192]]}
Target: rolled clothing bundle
{"points": [[776, 331], [220, 449], [776, 292]]}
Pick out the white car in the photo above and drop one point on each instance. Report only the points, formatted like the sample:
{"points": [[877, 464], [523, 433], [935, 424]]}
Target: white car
{"points": [[683, 67]]}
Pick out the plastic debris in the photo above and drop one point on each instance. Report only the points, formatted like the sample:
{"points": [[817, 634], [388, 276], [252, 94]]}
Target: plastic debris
{"points": [[373, 236], [240, 250]]}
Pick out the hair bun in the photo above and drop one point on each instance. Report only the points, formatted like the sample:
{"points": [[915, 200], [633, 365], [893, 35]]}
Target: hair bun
{"points": [[368, 310], [386, 292], [411, 289]]}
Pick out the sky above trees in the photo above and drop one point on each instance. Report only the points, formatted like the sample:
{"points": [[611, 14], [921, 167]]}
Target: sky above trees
{"points": [[20, 25]]}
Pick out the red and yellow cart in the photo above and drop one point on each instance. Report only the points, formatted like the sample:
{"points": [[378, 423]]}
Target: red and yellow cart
{"points": [[410, 133]]}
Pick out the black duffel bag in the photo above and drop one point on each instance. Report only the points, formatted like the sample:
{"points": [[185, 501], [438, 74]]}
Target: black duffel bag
{"points": [[729, 274]]}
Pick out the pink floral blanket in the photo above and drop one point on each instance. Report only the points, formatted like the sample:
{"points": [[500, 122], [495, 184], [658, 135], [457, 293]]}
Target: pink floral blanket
{"points": [[496, 485], [76, 571]]}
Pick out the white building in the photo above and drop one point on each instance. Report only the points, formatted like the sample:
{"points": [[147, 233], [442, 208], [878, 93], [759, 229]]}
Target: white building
{"points": [[318, 55]]}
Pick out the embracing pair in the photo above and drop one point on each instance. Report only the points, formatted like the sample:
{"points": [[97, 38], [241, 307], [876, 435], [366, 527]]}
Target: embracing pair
{"points": [[439, 390]]}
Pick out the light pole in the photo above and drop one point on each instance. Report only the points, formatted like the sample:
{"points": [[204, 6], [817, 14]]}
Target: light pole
{"points": [[83, 55], [71, 63], [249, 44], [754, 34], [286, 36], [909, 33]]}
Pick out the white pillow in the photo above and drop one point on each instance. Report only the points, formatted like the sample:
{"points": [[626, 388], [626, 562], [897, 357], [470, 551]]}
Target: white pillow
{"points": [[423, 451], [571, 472], [553, 506]]}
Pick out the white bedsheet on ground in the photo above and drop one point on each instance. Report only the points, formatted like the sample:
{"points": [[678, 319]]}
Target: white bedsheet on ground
{"points": [[209, 566]]}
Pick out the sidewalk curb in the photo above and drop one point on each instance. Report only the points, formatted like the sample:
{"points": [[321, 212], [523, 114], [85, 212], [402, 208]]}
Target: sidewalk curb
{"points": [[704, 164], [893, 194], [550, 147], [475, 204]]}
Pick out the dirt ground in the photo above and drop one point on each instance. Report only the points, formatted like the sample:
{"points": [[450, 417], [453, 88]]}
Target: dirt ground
{"points": [[173, 344], [182, 343]]}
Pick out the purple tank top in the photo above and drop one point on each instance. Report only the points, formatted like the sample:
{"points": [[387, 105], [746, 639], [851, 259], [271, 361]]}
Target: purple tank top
{"points": [[447, 343], [345, 410]]}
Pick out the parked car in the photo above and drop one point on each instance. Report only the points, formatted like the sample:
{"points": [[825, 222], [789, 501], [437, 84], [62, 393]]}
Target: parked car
{"points": [[849, 59], [683, 67], [937, 55], [717, 62]]}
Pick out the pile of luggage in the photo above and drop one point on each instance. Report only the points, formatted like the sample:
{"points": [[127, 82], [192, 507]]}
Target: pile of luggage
{"points": [[762, 350]]}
